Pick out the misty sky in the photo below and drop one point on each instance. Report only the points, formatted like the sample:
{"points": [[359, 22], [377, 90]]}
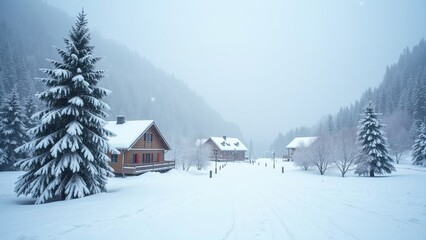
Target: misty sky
{"points": [[267, 65]]}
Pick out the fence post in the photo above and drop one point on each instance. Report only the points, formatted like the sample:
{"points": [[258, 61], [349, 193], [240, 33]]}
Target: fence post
{"points": [[282, 169], [266, 164], [211, 173]]}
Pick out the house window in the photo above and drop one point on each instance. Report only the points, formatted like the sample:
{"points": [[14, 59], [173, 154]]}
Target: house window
{"points": [[148, 137], [146, 158], [135, 158], [114, 158]]}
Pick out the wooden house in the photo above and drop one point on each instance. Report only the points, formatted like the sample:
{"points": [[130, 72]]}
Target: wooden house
{"points": [[297, 143], [142, 147], [226, 148]]}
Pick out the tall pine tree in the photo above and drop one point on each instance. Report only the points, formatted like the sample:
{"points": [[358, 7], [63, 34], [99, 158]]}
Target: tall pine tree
{"points": [[68, 154], [419, 147], [12, 131], [374, 153]]}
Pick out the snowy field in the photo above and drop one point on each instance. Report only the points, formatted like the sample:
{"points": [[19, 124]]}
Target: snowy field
{"points": [[241, 202]]}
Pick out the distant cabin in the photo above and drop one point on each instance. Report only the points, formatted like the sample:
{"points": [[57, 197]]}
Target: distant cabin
{"points": [[142, 147], [227, 148], [297, 143]]}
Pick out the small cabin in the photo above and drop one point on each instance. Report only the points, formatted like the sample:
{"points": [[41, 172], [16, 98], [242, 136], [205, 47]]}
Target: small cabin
{"points": [[297, 143], [226, 148], [142, 147]]}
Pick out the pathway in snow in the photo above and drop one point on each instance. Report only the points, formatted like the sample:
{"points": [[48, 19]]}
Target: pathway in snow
{"points": [[242, 201]]}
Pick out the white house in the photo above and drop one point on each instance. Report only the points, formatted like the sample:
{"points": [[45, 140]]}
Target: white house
{"points": [[297, 143], [226, 148]]}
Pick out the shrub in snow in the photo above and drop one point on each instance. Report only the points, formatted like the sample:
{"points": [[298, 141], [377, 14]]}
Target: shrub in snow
{"points": [[302, 157], [419, 147], [68, 152], [12, 131], [374, 158]]}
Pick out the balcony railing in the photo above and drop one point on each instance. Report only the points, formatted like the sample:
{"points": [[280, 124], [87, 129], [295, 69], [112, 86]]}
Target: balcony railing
{"points": [[139, 168]]}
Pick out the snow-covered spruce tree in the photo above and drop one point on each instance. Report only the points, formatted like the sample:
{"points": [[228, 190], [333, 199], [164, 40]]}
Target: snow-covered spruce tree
{"points": [[374, 158], [12, 131], [68, 153], [419, 147]]}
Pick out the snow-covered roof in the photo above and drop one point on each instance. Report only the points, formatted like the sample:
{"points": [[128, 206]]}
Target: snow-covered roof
{"points": [[128, 132], [230, 144], [200, 141], [301, 141]]}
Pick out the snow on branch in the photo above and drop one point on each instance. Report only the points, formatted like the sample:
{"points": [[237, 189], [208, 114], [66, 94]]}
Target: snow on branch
{"points": [[87, 153], [74, 128], [46, 141], [76, 187], [70, 111], [77, 101], [66, 142], [78, 78]]}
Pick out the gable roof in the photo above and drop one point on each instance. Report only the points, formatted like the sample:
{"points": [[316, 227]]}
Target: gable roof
{"points": [[230, 144], [200, 141], [129, 132], [301, 141]]}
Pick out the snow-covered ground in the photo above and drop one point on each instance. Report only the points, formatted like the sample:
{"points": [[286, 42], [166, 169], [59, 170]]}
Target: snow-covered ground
{"points": [[242, 201]]}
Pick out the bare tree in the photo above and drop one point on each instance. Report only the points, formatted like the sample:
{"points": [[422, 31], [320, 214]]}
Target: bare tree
{"points": [[320, 152], [398, 133], [345, 150], [201, 156], [188, 153], [179, 152]]}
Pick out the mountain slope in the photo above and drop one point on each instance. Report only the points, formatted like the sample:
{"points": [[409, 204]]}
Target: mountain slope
{"points": [[403, 85], [401, 94], [28, 29]]}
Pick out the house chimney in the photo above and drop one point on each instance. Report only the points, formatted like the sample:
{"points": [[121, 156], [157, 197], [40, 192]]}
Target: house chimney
{"points": [[224, 138], [120, 119]]}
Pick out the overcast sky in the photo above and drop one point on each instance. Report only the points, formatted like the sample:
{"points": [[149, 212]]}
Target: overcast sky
{"points": [[267, 65]]}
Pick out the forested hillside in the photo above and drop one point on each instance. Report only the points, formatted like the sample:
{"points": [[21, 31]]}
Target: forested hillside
{"points": [[29, 29], [403, 89], [401, 97]]}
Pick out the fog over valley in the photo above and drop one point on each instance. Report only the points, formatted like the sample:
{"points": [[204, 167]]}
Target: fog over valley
{"points": [[267, 66]]}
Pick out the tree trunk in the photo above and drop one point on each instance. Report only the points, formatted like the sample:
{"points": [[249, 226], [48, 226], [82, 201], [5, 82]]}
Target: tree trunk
{"points": [[372, 173], [397, 158]]}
